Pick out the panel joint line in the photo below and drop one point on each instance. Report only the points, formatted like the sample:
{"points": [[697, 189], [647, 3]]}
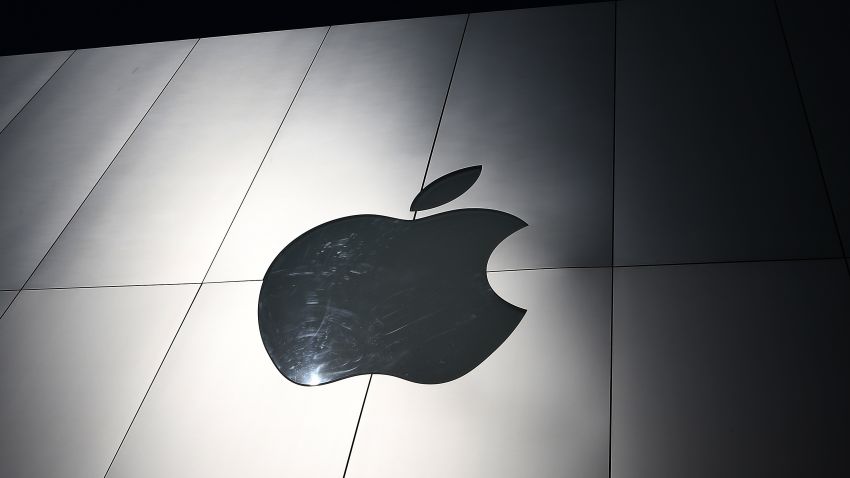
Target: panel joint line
{"points": [[613, 197], [357, 427], [38, 91], [443, 109], [811, 134]]}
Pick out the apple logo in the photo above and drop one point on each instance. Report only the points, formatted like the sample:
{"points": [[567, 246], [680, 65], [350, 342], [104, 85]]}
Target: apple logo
{"points": [[371, 294]]}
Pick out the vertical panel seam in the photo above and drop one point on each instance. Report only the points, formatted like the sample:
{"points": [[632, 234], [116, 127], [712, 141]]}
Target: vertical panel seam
{"points": [[811, 133], [150, 385], [265, 155], [357, 426], [613, 197], [4, 129], [38, 91], [443, 109]]}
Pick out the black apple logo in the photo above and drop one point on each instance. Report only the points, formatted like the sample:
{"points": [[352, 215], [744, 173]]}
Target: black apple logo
{"points": [[375, 294]]}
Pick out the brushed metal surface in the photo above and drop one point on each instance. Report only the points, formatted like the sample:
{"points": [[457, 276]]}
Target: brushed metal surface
{"points": [[532, 102], [735, 370], [537, 407], [219, 408], [20, 78], [74, 366], [57, 148], [714, 160], [356, 141], [163, 207]]}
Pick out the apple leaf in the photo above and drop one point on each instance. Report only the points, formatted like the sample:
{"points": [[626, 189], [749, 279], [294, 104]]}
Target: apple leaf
{"points": [[445, 188]]}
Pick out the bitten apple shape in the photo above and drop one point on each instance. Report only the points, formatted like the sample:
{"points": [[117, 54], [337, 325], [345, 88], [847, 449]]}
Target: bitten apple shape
{"points": [[372, 294]]}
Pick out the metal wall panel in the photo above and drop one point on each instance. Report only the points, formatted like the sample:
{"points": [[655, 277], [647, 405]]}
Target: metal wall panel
{"points": [[21, 76], [219, 407], [356, 141], [713, 157], [532, 102], [719, 370], [537, 407], [57, 148], [163, 207], [74, 366], [734, 370]]}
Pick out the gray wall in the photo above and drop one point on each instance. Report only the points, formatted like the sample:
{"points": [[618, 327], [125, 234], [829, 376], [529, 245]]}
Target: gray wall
{"points": [[682, 166]]}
